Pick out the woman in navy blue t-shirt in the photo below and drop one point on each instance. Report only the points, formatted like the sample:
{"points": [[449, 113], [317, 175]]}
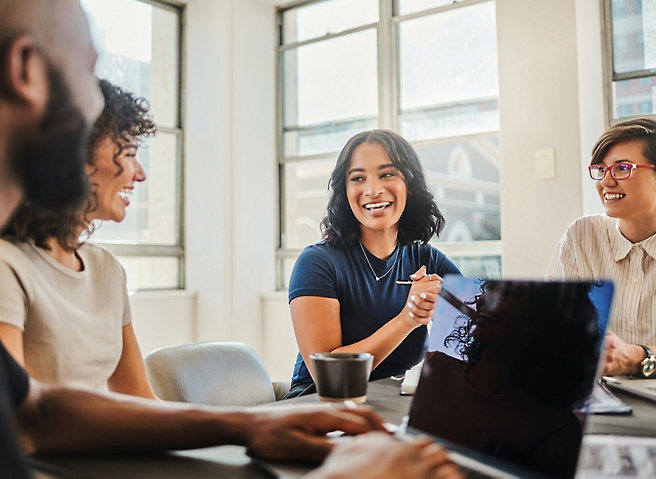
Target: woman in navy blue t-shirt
{"points": [[343, 291]]}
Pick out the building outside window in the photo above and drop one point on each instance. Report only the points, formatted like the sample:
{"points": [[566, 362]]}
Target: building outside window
{"points": [[631, 68], [424, 68], [139, 49]]}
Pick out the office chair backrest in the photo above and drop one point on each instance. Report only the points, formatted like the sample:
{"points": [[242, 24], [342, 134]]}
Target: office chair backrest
{"points": [[214, 373]]}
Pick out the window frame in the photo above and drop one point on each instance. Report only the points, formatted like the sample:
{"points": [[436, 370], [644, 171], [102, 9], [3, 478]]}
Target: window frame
{"points": [[609, 71], [388, 114], [177, 250]]}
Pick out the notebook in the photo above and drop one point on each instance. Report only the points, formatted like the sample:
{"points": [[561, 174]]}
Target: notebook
{"points": [[487, 389]]}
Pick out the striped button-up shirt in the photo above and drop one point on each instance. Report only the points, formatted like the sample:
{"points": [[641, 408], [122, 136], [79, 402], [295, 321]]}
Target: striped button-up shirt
{"points": [[594, 248]]}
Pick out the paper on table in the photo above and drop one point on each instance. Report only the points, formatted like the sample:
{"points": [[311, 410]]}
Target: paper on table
{"points": [[605, 456], [411, 379], [602, 401]]}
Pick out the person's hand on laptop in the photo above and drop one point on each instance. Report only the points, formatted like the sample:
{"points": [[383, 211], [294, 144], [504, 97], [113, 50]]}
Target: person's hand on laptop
{"points": [[620, 357], [377, 455], [281, 435]]}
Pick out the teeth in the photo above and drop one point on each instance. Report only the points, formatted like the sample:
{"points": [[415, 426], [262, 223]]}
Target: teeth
{"points": [[613, 196], [377, 206], [125, 193]]}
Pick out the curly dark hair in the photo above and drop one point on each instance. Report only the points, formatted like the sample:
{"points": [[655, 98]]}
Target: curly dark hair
{"points": [[564, 340], [421, 219], [124, 119]]}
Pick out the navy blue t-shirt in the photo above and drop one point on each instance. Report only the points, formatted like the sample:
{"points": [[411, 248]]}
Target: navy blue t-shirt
{"points": [[366, 304]]}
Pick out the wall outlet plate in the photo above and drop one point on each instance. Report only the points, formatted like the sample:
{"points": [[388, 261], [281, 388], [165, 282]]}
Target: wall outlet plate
{"points": [[545, 164]]}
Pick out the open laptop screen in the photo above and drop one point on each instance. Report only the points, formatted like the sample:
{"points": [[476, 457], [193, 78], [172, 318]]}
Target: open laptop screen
{"points": [[506, 363]]}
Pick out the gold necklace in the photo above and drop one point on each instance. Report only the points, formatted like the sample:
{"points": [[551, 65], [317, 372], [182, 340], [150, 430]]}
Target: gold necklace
{"points": [[378, 278]]}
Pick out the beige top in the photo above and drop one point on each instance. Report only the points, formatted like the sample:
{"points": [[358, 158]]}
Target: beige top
{"points": [[72, 321], [594, 248]]}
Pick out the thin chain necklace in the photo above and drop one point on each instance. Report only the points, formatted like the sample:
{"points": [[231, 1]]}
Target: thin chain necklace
{"points": [[378, 278]]}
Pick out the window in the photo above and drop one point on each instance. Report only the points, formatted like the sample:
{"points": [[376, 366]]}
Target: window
{"points": [[424, 68], [139, 49], [632, 68]]}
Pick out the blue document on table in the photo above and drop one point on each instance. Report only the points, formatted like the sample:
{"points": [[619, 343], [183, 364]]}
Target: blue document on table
{"points": [[507, 364]]}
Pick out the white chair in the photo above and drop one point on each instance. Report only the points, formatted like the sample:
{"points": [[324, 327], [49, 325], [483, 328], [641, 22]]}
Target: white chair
{"points": [[215, 373]]}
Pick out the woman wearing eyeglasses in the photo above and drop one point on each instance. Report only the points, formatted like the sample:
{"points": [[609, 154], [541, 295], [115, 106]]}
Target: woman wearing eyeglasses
{"points": [[621, 244]]}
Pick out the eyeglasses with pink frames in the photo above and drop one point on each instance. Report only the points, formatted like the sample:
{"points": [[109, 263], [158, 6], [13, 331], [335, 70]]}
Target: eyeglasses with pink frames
{"points": [[619, 171]]}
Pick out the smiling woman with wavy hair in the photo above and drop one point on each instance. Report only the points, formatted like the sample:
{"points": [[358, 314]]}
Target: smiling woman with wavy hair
{"points": [[344, 291], [65, 313]]}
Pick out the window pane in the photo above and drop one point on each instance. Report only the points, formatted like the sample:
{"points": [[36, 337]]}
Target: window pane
{"points": [[306, 197], [326, 82], [287, 267], [325, 138], [634, 97], [448, 57], [323, 18], [478, 266], [150, 272], [411, 6], [152, 215], [464, 177], [459, 120], [138, 50], [634, 35]]}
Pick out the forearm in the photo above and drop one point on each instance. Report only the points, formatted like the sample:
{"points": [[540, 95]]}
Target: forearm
{"points": [[385, 340], [74, 420]]}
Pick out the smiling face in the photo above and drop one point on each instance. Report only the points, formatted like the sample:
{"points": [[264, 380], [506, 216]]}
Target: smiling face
{"points": [[112, 182], [375, 189], [634, 197]]}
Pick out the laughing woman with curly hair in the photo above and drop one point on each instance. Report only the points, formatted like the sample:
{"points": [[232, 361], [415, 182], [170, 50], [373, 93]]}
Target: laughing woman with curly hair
{"points": [[65, 314]]}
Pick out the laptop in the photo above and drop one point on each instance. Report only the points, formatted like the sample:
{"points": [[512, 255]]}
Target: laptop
{"points": [[507, 364], [645, 388]]}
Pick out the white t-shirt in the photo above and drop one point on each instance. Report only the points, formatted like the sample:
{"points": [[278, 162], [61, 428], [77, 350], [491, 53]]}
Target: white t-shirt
{"points": [[72, 321], [593, 248]]}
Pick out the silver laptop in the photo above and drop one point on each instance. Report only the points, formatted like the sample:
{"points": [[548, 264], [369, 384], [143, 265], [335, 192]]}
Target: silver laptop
{"points": [[645, 388], [508, 362]]}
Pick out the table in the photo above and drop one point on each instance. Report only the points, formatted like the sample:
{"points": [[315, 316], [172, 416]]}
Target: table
{"points": [[641, 423], [232, 461]]}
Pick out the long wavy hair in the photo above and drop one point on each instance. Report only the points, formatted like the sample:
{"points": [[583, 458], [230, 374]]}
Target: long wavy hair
{"points": [[421, 219], [124, 119], [563, 343]]}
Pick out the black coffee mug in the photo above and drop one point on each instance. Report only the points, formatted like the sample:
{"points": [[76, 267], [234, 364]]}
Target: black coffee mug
{"points": [[342, 376]]}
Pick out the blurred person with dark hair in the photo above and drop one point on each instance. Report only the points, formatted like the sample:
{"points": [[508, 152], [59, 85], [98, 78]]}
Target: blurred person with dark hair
{"points": [[343, 291], [62, 291], [49, 98], [494, 397], [620, 245]]}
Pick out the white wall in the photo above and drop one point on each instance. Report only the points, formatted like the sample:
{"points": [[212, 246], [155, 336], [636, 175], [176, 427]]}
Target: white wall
{"points": [[231, 197], [163, 318], [541, 107], [551, 95]]}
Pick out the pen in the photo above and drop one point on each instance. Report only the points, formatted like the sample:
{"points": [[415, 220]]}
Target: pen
{"points": [[398, 281]]}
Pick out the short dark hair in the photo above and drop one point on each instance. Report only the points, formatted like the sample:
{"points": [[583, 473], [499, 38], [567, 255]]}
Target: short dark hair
{"points": [[638, 129], [421, 219], [124, 119]]}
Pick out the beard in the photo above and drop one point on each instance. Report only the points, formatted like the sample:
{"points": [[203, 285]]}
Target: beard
{"points": [[50, 166]]}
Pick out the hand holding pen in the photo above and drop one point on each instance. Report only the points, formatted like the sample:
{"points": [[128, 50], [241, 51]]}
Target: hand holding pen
{"points": [[424, 289]]}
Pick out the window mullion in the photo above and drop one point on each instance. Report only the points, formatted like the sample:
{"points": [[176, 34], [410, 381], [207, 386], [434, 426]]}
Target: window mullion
{"points": [[386, 67]]}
